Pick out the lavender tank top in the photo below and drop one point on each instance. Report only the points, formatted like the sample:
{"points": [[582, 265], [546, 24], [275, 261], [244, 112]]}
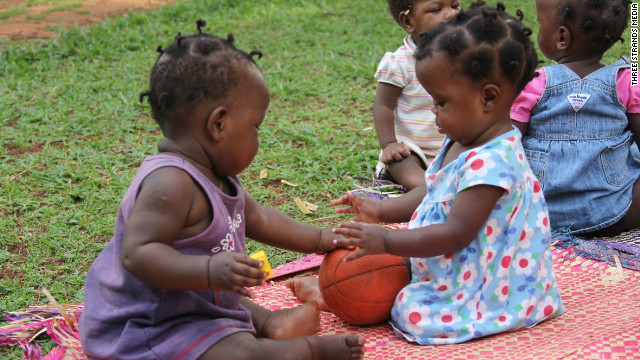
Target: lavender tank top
{"points": [[124, 318]]}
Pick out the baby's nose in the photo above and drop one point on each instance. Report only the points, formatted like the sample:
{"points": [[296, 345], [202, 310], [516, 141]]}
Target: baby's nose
{"points": [[450, 13]]}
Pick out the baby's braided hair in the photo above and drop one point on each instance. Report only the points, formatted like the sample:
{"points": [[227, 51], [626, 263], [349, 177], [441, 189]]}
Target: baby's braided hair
{"points": [[485, 43], [601, 22], [192, 69]]}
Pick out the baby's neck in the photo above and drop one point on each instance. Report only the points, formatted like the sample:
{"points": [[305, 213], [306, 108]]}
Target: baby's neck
{"points": [[190, 152], [583, 66]]}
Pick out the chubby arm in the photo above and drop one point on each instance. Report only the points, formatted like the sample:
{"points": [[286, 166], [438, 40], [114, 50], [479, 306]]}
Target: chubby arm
{"points": [[164, 211], [383, 119], [468, 215], [157, 218], [272, 227]]}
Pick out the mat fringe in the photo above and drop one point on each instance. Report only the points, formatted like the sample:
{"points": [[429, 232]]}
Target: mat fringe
{"points": [[59, 322], [623, 250]]}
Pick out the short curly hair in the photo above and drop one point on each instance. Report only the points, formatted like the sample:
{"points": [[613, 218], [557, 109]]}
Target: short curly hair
{"points": [[192, 69]]}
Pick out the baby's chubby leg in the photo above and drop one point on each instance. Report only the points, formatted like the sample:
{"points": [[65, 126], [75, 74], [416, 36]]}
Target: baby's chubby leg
{"points": [[285, 323], [408, 172], [243, 345], [307, 288]]}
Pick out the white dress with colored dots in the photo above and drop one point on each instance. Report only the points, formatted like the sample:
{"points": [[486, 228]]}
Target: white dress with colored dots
{"points": [[504, 279]]}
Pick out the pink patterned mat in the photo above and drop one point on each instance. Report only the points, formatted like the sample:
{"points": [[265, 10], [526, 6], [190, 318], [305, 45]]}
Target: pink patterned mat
{"points": [[304, 263], [602, 320]]}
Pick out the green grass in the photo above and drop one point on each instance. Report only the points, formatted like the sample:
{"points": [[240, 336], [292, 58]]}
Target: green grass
{"points": [[74, 131], [18, 10], [50, 2], [60, 5], [68, 7]]}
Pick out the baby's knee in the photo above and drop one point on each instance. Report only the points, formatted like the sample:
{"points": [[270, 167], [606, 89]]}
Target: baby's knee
{"points": [[408, 174]]}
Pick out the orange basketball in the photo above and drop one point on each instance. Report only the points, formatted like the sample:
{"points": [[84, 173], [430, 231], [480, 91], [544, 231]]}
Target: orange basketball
{"points": [[361, 291]]}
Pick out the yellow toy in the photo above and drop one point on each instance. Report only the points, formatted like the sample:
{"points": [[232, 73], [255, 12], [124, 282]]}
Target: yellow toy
{"points": [[261, 256]]}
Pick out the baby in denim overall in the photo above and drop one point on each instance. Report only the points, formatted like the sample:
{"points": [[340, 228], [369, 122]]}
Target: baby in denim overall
{"points": [[580, 120]]}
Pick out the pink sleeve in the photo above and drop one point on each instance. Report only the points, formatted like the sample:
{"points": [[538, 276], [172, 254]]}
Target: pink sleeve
{"points": [[528, 98], [629, 95]]}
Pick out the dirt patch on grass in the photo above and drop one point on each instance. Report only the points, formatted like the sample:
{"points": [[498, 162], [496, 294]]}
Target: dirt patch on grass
{"points": [[19, 21]]}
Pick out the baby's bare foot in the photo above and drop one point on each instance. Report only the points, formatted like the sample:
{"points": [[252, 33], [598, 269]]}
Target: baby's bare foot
{"points": [[307, 289], [289, 323], [343, 347]]}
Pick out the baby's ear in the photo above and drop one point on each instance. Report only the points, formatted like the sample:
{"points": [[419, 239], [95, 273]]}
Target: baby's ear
{"points": [[490, 95], [405, 21], [563, 38], [216, 123]]}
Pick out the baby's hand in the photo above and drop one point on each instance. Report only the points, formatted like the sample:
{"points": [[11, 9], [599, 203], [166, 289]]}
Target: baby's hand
{"points": [[394, 152], [326, 243], [366, 210], [233, 271], [370, 239]]}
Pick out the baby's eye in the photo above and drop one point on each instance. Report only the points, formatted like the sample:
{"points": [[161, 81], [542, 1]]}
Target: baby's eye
{"points": [[436, 10]]}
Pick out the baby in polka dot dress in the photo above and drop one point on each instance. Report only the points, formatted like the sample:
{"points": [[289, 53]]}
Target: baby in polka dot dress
{"points": [[478, 237]]}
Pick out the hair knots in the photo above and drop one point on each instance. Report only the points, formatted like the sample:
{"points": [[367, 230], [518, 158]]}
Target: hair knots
{"points": [[257, 53], [200, 24], [143, 95], [179, 38]]}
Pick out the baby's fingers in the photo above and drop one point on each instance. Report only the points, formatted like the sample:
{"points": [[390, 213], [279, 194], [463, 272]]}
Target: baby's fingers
{"points": [[350, 235], [239, 284], [405, 150], [345, 210], [398, 156], [355, 255], [348, 243], [342, 200], [248, 275], [242, 291], [246, 271], [247, 260], [387, 158], [351, 225]]}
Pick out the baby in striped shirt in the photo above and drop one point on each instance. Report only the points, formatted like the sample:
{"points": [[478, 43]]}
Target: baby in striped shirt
{"points": [[404, 123]]}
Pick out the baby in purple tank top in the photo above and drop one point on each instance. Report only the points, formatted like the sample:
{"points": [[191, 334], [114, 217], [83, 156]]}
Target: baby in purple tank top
{"points": [[171, 283]]}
